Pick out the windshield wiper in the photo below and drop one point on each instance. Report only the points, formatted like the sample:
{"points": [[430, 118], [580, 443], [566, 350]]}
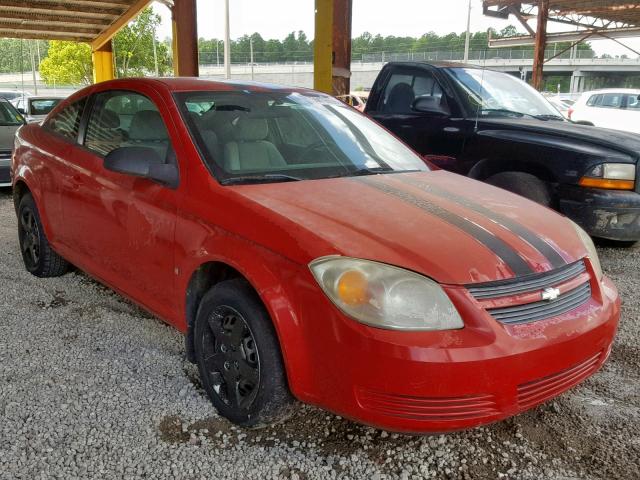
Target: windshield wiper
{"points": [[503, 110], [374, 171], [269, 177], [549, 116]]}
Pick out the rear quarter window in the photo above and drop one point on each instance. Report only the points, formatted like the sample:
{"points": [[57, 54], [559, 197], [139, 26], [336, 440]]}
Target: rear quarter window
{"points": [[66, 122]]}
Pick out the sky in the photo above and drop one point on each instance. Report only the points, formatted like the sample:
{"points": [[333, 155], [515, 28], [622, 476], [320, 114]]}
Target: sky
{"points": [[277, 18]]}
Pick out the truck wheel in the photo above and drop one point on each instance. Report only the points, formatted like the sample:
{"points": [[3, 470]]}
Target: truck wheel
{"points": [[524, 184], [239, 358], [38, 256]]}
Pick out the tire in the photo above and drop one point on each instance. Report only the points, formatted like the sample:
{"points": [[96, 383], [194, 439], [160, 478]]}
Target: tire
{"points": [[38, 256], [523, 184], [239, 358]]}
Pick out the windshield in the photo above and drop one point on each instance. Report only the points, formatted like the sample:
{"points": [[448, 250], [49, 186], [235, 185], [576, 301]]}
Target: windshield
{"points": [[248, 136], [496, 93], [8, 114]]}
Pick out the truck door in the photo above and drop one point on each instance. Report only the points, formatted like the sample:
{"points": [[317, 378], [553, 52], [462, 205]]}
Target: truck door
{"points": [[438, 134]]}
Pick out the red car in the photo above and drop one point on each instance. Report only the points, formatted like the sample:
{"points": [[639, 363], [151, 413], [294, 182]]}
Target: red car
{"points": [[307, 253]]}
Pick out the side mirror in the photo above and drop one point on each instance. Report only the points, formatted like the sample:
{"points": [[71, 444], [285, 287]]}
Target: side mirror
{"points": [[142, 162], [429, 104]]}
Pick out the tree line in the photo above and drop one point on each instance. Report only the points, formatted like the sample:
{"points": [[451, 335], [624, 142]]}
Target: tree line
{"points": [[138, 51]]}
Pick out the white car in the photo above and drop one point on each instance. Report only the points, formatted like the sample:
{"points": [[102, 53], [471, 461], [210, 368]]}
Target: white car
{"points": [[617, 108], [35, 109]]}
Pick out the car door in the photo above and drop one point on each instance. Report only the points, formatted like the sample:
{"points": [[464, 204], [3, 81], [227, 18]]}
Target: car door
{"points": [[54, 143], [437, 134], [123, 226]]}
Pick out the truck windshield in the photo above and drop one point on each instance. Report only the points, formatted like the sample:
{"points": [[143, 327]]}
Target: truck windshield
{"points": [[8, 114], [256, 137], [495, 93]]}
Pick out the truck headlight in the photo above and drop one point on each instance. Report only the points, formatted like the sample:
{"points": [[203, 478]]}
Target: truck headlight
{"points": [[592, 253], [618, 176], [384, 296]]}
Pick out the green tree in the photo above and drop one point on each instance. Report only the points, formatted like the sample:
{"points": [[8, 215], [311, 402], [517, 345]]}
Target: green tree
{"points": [[134, 47], [67, 63]]}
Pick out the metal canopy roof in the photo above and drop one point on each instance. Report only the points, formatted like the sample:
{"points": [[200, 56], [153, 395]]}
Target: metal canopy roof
{"points": [[582, 13], [92, 21]]}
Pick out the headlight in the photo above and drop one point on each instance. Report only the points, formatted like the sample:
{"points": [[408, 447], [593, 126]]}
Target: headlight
{"points": [[619, 176], [591, 249], [383, 296]]}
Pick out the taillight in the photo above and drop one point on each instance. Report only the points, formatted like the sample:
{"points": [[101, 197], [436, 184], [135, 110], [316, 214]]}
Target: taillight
{"points": [[569, 112]]}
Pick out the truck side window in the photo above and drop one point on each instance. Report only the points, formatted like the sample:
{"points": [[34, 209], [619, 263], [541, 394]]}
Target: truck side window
{"points": [[402, 89]]}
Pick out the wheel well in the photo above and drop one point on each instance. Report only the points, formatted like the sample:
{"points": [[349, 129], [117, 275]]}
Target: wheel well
{"points": [[487, 168], [202, 280], [19, 190]]}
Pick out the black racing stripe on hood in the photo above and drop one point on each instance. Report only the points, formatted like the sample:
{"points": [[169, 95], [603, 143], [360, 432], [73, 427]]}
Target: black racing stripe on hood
{"points": [[508, 255], [551, 254]]}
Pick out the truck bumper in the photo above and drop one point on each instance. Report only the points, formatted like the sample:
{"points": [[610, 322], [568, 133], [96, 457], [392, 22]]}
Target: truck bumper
{"points": [[610, 214]]}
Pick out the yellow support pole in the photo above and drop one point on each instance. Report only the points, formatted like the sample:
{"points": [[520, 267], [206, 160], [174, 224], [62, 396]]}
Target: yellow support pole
{"points": [[323, 47], [103, 63]]}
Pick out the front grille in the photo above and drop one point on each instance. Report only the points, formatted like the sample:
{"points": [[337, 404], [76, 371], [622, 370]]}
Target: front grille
{"points": [[532, 393], [427, 408], [534, 310], [531, 312], [531, 283]]}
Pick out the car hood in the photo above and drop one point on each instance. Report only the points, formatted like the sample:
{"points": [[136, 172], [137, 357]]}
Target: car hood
{"points": [[7, 132], [450, 228], [628, 143]]}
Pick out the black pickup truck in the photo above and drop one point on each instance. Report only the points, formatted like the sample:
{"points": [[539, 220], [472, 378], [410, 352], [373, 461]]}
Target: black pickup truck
{"points": [[494, 127]]}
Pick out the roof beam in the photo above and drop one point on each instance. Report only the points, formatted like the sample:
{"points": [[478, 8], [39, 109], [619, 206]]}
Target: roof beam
{"points": [[47, 17], [125, 18], [76, 27], [67, 7], [43, 35], [525, 40]]}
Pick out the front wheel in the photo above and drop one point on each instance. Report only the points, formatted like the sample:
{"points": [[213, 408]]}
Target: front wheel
{"points": [[239, 358], [38, 256], [523, 184]]}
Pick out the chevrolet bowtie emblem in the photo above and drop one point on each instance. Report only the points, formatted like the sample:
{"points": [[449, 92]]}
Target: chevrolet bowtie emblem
{"points": [[550, 294]]}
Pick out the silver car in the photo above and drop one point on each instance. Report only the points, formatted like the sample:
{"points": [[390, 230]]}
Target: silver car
{"points": [[36, 108], [10, 121]]}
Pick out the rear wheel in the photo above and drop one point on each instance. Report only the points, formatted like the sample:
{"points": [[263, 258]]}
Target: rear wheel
{"points": [[239, 356], [523, 184], [38, 256]]}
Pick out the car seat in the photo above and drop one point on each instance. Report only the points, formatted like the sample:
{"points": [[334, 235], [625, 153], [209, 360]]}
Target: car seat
{"points": [[147, 130], [250, 150], [400, 99]]}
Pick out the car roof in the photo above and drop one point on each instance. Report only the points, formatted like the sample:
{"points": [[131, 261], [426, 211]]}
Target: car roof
{"points": [[442, 64], [47, 97], [613, 90], [186, 84]]}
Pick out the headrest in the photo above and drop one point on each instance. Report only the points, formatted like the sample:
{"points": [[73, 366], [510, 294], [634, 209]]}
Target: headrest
{"points": [[147, 125], [109, 119], [251, 129]]}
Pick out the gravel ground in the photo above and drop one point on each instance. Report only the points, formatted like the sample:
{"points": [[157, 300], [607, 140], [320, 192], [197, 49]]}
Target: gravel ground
{"points": [[93, 387]]}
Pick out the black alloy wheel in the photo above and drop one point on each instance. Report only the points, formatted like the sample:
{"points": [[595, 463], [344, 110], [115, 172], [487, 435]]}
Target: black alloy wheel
{"points": [[29, 234], [239, 357], [231, 358], [37, 254]]}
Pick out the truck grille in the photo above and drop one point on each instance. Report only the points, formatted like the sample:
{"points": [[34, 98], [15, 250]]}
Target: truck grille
{"points": [[531, 311]]}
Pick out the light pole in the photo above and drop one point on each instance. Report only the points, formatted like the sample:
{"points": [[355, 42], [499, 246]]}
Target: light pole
{"points": [[227, 42], [251, 49], [468, 36]]}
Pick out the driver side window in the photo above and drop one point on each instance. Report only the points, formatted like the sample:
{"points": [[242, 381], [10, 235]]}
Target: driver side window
{"points": [[126, 119], [403, 88]]}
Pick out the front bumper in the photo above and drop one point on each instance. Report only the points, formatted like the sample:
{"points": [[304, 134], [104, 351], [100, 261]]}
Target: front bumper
{"points": [[426, 382], [610, 214], [5, 171]]}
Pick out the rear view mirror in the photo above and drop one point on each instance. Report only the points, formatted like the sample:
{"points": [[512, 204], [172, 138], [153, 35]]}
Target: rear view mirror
{"points": [[142, 162], [429, 104]]}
